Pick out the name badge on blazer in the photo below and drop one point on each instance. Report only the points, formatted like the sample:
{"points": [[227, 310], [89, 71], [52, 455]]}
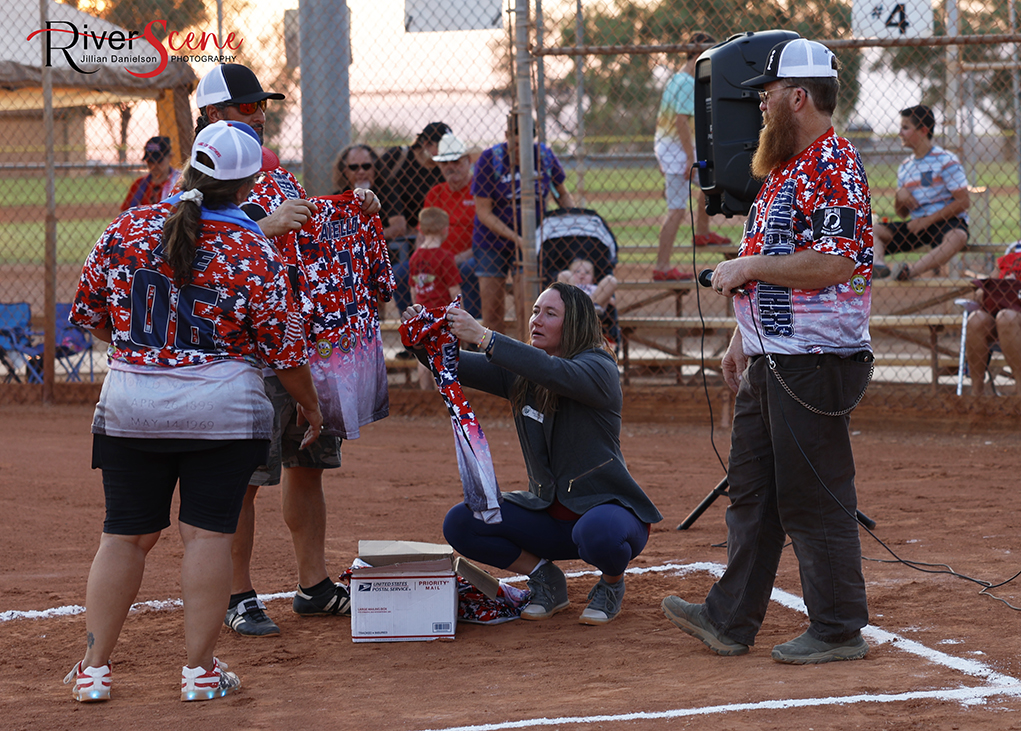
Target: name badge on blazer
{"points": [[533, 414]]}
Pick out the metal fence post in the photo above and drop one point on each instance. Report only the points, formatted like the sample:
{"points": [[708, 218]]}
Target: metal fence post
{"points": [[325, 89], [526, 135], [50, 260]]}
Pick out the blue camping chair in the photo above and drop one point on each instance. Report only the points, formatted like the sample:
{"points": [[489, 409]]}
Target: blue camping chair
{"points": [[74, 345], [19, 343]]}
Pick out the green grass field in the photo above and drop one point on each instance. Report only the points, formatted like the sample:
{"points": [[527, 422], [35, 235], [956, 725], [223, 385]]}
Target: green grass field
{"points": [[78, 190], [23, 243], [633, 219]]}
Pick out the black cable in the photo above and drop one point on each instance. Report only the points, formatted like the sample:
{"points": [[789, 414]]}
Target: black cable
{"points": [[916, 565], [701, 319]]}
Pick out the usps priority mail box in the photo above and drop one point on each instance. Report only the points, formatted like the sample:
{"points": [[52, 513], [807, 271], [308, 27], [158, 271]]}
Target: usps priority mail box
{"points": [[401, 604]]}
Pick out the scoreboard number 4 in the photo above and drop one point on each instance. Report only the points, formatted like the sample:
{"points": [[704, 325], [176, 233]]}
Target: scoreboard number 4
{"points": [[908, 19], [897, 18]]}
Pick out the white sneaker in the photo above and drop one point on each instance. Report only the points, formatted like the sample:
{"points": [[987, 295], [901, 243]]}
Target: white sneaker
{"points": [[90, 684], [199, 684]]}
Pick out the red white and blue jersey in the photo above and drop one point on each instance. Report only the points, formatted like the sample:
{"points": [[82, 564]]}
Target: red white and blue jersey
{"points": [[819, 200], [271, 189], [236, 306], [345, 266], [429, 329]]}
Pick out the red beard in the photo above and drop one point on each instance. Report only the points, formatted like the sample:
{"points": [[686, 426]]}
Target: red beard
{"points": [[778, 140]]}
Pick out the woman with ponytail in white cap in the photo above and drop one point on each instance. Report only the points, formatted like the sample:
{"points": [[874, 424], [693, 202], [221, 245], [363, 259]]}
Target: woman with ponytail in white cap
{"points": [[193, 300]]}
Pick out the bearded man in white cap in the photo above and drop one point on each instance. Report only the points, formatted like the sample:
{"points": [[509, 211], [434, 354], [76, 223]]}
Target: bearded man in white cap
{"points": [[799, 361]]}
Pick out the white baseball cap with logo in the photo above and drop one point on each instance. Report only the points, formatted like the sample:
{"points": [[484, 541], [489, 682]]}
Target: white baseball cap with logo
{"points": [[450, 149], [232, 147], [799, 58]]}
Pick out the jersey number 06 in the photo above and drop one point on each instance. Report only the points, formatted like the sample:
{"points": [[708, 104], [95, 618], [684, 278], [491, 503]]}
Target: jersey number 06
{"points": [[154, 297]]}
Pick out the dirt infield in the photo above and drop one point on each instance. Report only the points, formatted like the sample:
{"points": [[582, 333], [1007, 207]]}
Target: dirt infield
{"points": [[943, 657]]}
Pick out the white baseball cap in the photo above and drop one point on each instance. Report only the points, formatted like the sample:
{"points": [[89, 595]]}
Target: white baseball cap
{"points": [[449, 149], [231, 83], [799, 58], [233, 148]]}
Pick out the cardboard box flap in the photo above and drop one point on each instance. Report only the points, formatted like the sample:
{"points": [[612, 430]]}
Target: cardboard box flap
{"points": [[387, 553], [405, 568], [477, 577]]}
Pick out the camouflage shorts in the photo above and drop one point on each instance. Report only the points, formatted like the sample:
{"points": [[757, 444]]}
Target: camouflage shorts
{"points": [[324, 453]]}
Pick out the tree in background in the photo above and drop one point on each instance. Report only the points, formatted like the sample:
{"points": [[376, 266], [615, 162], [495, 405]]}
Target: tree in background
{"points": [[622, 91], [179, 14], [993, 95], [135, 15]]}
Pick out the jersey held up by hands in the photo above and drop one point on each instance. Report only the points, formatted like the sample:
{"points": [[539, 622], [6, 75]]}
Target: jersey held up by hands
{"points": [[345, 271]]}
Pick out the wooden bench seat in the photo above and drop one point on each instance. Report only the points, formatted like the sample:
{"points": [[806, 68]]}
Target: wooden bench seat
{"points": [[729, 251], [900, 326], [908, 323], [936, 291], [985, 248]]}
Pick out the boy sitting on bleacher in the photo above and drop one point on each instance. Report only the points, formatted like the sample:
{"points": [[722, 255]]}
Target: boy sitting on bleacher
{"points": [[933, 191]]}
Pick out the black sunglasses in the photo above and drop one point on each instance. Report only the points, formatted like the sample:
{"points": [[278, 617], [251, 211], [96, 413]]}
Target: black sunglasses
{"points": [[360, 166]]}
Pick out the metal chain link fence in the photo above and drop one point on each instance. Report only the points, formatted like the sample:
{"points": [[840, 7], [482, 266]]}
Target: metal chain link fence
{"points": [[87, 85]]}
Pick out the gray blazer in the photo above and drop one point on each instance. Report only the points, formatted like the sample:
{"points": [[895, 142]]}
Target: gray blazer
{"points": [[574, 453]]}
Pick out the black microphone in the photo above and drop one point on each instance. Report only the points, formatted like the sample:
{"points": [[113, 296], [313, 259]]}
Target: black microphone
{"points": [[705, 278]]}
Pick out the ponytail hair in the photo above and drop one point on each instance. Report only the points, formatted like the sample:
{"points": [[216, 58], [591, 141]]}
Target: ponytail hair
{"points": [[182, 229]]}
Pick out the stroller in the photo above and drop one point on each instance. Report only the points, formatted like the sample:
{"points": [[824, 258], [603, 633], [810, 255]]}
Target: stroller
{"points": [[567, 234]]}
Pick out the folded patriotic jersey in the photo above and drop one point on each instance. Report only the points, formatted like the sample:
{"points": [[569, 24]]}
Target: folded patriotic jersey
{"points": [[474, 607]]}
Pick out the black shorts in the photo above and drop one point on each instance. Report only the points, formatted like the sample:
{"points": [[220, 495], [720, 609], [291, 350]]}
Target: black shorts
{"points": [[904, 240], [322, 454], [139, 476]]}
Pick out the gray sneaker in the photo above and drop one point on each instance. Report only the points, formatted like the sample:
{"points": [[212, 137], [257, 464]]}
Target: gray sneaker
{"points": [[689, 618], [548, 586], [807, 650], [604, 604], [249, 618]]}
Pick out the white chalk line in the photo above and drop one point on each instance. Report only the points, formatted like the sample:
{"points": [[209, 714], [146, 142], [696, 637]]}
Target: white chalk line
{"points": [[997, 684], [70, 610], [159, 605], [961, 695]]}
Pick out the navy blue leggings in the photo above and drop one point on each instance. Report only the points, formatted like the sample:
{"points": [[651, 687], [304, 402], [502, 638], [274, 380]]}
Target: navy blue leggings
{"points": [[608, 536]]}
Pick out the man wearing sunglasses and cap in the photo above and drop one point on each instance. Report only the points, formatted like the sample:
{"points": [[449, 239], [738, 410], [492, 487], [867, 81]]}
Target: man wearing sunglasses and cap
{"points": [[453, 196], [232, 92], [410, 172], [799, 361], [160, 181]]}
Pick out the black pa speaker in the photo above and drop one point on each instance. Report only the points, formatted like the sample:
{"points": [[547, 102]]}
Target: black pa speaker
{"points": [[727, 119]]}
